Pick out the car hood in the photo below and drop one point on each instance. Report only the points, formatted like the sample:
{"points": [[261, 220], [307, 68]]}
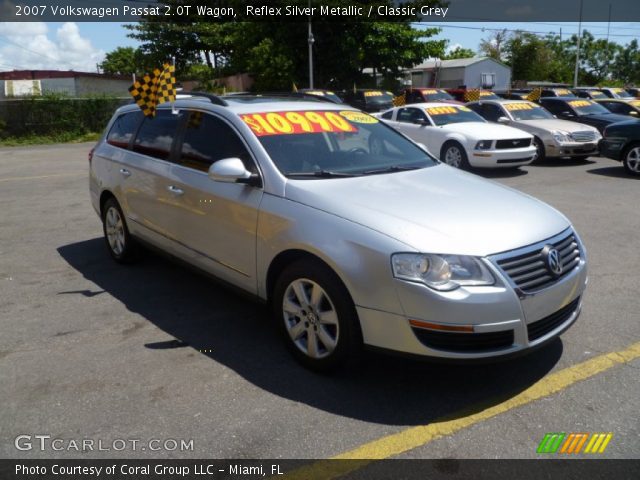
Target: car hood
{"points": [[485, 131], [556, 124], [604, 117], [437, 210]]}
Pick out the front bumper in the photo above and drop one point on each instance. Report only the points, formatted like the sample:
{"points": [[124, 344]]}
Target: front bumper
{"points": [[500, 158], [505, 320], [571, 149], [612, 148]]}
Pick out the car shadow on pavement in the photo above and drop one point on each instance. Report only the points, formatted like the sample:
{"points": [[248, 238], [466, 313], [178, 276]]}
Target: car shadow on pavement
{"points": [[614, 172], [561, 162], [499, 172], [202, 315]]}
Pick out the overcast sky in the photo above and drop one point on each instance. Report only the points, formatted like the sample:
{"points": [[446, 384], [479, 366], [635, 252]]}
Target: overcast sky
{"points": [[81, 46]]}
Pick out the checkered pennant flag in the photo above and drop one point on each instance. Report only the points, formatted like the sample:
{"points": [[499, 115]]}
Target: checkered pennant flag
{"points": [[400, 100], [472, 95], [155, 89], [534, 95]]}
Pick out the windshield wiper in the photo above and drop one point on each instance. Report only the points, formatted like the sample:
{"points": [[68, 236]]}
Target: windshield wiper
{"points": [[391, 169], [321, 174]]}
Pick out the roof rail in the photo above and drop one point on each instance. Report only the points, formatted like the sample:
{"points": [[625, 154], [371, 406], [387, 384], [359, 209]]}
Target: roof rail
{"points": [[304, 95], [215, 99]]}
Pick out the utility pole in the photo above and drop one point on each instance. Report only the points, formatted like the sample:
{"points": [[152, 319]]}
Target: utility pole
{"points": [[606, 65], [310, 40], [575, 73]]}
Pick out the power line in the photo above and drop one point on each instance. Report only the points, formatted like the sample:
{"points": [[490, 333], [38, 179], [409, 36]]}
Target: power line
{"points": [[513, 30], [5, 39]]}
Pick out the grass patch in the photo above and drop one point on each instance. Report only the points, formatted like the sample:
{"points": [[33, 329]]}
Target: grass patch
{"points": [[62, 137]]}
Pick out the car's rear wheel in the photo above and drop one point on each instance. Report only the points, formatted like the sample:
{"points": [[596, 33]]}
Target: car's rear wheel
{"points": [[116, 233], [631, 159], [453, 154], [316, 316]]}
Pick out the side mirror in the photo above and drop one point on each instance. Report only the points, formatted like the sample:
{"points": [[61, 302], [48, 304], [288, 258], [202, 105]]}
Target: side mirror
{"points": [[634, 113], [232, 170], [422, 121], [503, 120], [568, 114]]}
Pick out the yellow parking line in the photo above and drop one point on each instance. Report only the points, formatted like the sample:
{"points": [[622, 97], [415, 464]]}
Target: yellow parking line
{"points": [[414, 437], [10, 179]]}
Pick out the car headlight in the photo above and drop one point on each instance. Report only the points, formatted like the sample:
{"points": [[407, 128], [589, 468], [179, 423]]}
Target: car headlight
{"points": [[483, 145], [441, 272], [562, 137]]}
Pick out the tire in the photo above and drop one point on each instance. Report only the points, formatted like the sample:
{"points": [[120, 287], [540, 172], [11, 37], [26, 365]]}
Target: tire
{"points": [[541, 153], [454, 155], [631, 159], [316, 316], [120, 244]]}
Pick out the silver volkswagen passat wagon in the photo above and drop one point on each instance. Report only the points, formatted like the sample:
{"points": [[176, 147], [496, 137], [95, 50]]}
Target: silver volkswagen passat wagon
{"points": [[352, 233]]}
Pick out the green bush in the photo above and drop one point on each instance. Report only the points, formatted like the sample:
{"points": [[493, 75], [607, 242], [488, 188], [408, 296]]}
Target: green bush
{"points": [[54, 115]]}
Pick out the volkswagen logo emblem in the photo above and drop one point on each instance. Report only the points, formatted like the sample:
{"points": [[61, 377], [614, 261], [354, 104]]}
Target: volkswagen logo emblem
{"points": [[552, 260]]}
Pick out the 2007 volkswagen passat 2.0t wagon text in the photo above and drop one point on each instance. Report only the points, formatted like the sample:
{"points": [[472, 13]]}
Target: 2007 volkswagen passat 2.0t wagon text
{"points": [[352, 233]]}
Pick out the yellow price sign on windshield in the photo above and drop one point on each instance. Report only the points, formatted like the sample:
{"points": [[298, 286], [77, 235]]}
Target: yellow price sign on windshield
{"points": [[288, 123], [430, 92], [580, 103], [442, 110], [373, 93], [635, 103], [485, 93], [518, 106]]}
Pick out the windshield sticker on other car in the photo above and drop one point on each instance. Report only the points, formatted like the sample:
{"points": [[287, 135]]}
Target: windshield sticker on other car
{"points": [[635, 103], [484, 93], [315, 92], [441, 110], [617, 90], [430, 92], [580, 103], [358, 117], [288, 123], [464, 109], [374, 93], [563, 91], [518, 106]]}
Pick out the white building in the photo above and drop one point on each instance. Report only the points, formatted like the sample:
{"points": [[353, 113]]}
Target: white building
{"points": [[476, 72]]}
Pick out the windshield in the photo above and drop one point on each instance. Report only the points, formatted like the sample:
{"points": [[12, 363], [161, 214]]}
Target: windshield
{"points": [[450, 114], [376, 96], [527, 111], [563, 92], [324, 93], [597, 94], [587, 107], [433, 95], [622, 93], [327, 144]]}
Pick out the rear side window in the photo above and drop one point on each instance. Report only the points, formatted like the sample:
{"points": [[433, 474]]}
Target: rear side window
{"points": [[156, 135], [123, 129], [208, 139]]}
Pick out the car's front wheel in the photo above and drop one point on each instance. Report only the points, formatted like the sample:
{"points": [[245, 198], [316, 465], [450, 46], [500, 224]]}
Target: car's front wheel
{"points": [[453, 154], [316, 316], [116, 234], [631, 159], [541, 153]]}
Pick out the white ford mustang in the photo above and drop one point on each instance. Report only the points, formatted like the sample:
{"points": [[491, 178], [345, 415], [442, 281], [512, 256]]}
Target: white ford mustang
{"points": [[460, 137]]}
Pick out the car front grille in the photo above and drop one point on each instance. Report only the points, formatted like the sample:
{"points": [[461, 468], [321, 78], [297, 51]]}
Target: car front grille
{"points": [[585, 136], [541, 327], [464, 342], [529, 272], [515, 143]]}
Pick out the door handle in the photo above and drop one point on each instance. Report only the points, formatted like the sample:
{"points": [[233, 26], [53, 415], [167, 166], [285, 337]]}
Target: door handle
{"points": [[175, 190], [125, 172]]}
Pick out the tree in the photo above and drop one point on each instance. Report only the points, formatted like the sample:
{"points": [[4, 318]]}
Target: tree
{"points": [[276, 54], [625, 68], [459, 52], [493, 45], [123, 61]]}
